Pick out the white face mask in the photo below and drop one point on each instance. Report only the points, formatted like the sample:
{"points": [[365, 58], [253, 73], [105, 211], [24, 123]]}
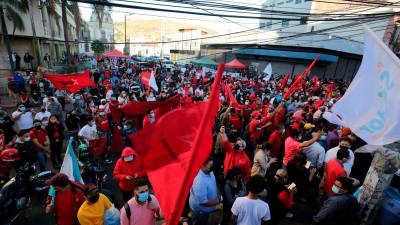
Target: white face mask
{"points": [[128, 158]]}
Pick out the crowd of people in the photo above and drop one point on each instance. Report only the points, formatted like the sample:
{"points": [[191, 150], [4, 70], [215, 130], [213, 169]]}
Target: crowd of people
{"points": [[269, 152]]}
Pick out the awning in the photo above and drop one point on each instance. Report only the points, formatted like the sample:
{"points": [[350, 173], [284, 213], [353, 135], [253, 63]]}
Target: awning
{"points": [[235, 64], [115, 53], [205, 61], [288, 54]]}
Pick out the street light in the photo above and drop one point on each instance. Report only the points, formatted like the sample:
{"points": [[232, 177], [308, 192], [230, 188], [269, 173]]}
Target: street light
{"points": [[126, 46]]}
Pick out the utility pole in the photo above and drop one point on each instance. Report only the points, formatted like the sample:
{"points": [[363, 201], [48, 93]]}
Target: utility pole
{"points": [[125, 46]]}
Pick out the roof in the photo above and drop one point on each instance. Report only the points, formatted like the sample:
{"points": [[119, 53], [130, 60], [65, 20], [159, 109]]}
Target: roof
{"points": [[205, 61], [235, 64], [288, 54]]}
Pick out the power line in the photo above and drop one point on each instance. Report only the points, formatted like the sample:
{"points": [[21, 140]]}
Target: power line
{"points": [[228, 15]]}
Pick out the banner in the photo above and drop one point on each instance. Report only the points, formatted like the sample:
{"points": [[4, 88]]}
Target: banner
{"points": [[371, 104]]}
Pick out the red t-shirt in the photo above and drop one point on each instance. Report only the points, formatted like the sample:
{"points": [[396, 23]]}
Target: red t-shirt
{"points": [[291, 148], [236, 159], [67, 205], [40, 135], [235, 120], [275, 140], [333, 170]]}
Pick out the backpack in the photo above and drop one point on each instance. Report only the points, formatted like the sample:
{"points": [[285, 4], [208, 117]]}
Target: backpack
{"points": [[83, 150], [128, 211]]}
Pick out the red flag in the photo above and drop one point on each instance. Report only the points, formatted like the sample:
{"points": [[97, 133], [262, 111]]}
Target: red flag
{"points": [[174, 148], [285, 80], [148, 79], [141, 108], [230, 98], [297, 82], [117, 143], [329, 90], [70, 82]]}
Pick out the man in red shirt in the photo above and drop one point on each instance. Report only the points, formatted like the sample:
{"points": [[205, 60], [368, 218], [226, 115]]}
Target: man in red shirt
{"points": [[334, 169], [292, 146], [41, 143], [235, 156], [69, 198], [127, 169], [275, 140]]}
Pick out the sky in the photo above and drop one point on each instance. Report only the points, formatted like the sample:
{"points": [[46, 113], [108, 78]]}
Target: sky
{"points": [[216, 23]]}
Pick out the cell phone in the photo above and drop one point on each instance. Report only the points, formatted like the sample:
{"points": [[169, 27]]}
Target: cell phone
{"points": [[292, 186], [308, 164]]}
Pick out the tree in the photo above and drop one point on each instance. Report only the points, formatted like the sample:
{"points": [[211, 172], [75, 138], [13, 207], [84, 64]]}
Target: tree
{"points": [[98, 47], [65, 27], [99, 10], [11, 9]]}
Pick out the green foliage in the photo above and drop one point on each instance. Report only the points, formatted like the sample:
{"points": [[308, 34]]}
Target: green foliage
{"points": [[98, 46]]}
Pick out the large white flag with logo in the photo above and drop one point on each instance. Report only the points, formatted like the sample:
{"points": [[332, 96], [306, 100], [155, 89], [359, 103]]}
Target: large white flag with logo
{"points": [[267, 72], [371, 105]]}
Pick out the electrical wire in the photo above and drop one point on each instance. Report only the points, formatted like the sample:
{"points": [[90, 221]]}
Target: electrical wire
{"points": [[227, 15]]}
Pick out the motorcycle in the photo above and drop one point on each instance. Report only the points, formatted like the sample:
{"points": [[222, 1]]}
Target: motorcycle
{"points": [[15, 194]]}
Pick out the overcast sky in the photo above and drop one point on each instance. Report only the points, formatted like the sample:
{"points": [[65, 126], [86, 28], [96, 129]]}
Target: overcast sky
{"points": [[217, 23]]}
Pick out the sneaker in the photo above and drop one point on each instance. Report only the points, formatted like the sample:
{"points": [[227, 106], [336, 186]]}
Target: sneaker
{"points": [[289, 215]]}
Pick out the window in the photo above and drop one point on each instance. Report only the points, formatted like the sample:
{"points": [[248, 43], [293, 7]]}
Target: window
{"points": [[289, 1], [262, 25], [285, 23], [297, 1], [269, 24], [280, 3], [303, 20]]}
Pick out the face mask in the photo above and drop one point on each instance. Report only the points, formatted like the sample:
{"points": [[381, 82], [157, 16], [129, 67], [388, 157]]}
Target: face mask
{"points": [[27, 139], [123, 95], [126, 127], [143, 197], [22, 109], [94, 198], [322, 138], [102, 114], [335, 189], [341, 147], [128, 158], [38, 127], [246, 103], [113, 99], [77, 97], [91, 123], [103, 103]]}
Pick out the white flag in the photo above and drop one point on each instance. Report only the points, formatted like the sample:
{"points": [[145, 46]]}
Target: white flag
{"points": [[268, 72], [152, 81], [371, 105]]}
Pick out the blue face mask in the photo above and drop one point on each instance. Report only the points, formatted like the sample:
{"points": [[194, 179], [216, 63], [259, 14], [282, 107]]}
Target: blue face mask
{"points": [[322, 138], [335, 189], [143, 197]]}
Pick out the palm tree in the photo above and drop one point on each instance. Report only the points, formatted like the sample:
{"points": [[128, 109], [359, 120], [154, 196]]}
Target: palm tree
{"points": [[51, 10], [35, 41], [11, 9], [99, 10], [65, 26]]}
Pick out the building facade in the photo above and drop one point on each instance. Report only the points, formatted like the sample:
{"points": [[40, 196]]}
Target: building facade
{"points": [[44, 18], [102, 31]]}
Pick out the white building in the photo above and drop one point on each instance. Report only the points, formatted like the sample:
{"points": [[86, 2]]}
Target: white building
{"points": [[103, 32], [344, 36]]}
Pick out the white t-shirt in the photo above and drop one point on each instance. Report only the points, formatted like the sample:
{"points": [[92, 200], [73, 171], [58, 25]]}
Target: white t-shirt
{"points": [[250, 211], [25, 121], [331, 154], [44, 117], [88, 132]]}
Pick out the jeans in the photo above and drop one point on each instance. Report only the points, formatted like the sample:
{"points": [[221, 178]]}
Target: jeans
{"points": [[200, 218], [41, 157]]}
